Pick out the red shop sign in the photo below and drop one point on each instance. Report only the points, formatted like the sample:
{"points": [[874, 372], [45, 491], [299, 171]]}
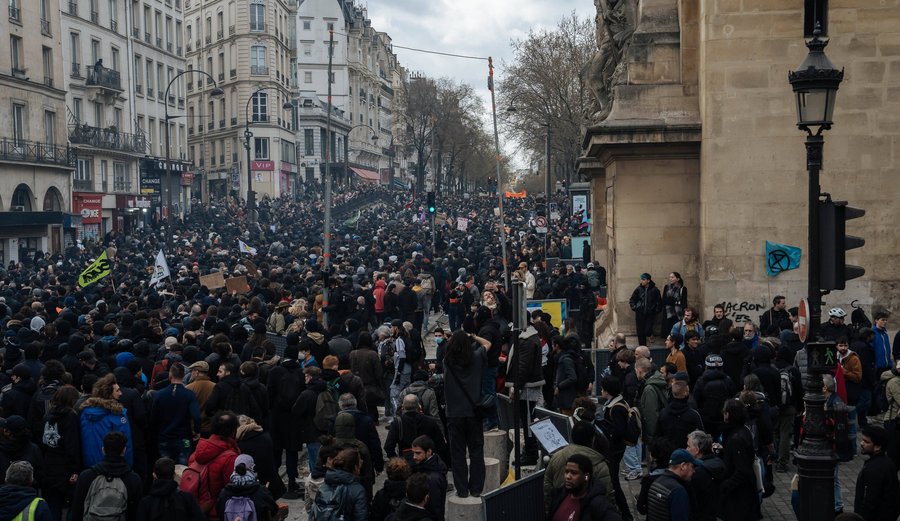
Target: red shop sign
{"points": [[263, 165], [187, 178], [89, 206]]}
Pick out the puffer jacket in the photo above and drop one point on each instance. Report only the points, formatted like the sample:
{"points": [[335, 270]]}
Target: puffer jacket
{"points": [[525, 361], [711, 391], [554, 475], [653, 399], [219, 454], [356, 505], [892, 391], [100, 416]]}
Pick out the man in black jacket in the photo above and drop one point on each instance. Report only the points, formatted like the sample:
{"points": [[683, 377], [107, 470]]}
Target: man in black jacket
{"points": [[615, 425], [645, 301], [678, 419], [581, 495], [877, 487], [435, 470], [165, 499], [411, 424], [113, 466], [704, 487], [712, 389], [776, 318], [523, 371]]}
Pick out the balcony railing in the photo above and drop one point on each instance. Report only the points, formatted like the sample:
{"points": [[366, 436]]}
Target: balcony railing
{"points": [[234, 73], [15, 14], [32, 152], [73, 8], [208, 38], [45, 27], [86, 185], [262, 70], [139, 88], [179, 51], [76, 71], [200, 128], [233, 121], [135, 32], [199, 83], [221, 123], [188, 46], [180, 102], [159, 42], [210, 125], [169, 46], [147, 37], [122, 186], [221, 76], [190, 86], [114, 26], [95, 16], [190, 131], [108, 139], [220, 34], [259, 27], [150, 92], [104, 78], [171, 99], [48, 81], [230, 30]]}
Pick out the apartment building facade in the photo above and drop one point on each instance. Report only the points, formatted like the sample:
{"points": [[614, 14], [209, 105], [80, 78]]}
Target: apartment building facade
{"points": [[247, 51], [119, 59], [35, 162]]}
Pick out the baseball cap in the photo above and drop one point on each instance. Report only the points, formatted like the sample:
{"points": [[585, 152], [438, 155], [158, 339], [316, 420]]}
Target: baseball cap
{"points": [[645, 276], [21, 370], [14, 423], [683, 456], [396, 323]]}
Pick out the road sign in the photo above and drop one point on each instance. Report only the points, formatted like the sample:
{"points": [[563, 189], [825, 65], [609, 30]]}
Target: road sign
{"points": [[803, 319], [540, 224]]}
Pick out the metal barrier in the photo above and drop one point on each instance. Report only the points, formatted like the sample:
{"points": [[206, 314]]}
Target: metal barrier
{"points": [[522, 500], [600, 358], [279, 341]]}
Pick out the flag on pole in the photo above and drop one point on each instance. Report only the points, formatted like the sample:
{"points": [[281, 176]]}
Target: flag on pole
{"points": [[160, 270], [96, 271], [781, 257], [246, 248]]}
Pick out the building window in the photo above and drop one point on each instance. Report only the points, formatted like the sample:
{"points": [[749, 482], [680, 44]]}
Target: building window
{"points": [[309, 143], [83, 170], [260, 104], [330, 26], [258, 60], [306, 25], [47, 57], [49, 127], [307, 77], [76, 102], [17, 59], [18, 115], [332, 77], [307, 50], [120, 177], [257, 15], [261, 147]]}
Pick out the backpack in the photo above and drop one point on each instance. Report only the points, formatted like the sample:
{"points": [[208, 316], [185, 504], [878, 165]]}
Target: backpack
{"points": [[632, 433], [414, 352], [242, 401], [327, 407], [584, 370], [329, 504], [288, 389], [837, 419], [106, 500], [239, 508], [196, 482], [169, 508], [787, 387]]}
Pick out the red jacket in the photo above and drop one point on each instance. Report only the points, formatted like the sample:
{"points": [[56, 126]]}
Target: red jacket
{"points": [[378, 293], [219, 454]]}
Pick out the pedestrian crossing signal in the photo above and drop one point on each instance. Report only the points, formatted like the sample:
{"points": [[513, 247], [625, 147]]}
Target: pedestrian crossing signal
{"points": [[431, 204]]}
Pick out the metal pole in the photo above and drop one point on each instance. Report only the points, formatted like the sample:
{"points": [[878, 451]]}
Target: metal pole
{"points": [[168, 180], [434, 180], [326, 249], [547, 190], [499, 183]]}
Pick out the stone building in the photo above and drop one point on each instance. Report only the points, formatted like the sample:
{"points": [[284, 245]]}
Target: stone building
{"points": [[247, 49], [35, 161], [695, 158]]}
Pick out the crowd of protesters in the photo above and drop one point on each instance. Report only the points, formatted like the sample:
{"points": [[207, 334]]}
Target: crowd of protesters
{"points": [[122, 400]]}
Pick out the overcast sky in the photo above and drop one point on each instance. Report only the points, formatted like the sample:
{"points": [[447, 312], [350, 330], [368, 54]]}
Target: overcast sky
{"points": [[468, 27]]}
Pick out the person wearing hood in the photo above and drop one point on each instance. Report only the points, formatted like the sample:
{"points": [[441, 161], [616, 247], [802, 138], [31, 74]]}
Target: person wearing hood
{"points": [[378, 294], [430, 464], [218, 453], [18, 496], [165, 499], [250, 380], [713, 388], [582, 497], [16, 400], [393, 492], [346, 467], [112, 465], [16, 445], [645, 301], [345, 435], [678, 419], [100, 415], [314, 341], [244, 483], [60, 437], [51, 380]]}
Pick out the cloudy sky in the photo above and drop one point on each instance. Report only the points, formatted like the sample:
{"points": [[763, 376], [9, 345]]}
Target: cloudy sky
{"points": [[468, 27]]}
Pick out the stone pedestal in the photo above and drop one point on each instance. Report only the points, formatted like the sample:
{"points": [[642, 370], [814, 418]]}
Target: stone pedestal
{"points": [[496, 445], [493, 474], [463, 509]]}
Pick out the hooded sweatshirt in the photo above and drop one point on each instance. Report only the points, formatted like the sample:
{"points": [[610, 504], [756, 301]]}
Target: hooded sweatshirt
{"points": [[14, 499], [100, 416]]}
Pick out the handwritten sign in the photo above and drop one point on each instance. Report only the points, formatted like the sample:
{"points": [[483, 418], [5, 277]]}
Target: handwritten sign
{"points": [[251, 268], [213, 280], [548, 435], [462, 224], [238, 284]]}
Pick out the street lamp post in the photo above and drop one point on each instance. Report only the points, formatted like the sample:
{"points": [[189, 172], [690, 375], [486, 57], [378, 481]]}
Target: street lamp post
{"points": [[215, 93], [815, 84], [251, 195], [347, 147]]}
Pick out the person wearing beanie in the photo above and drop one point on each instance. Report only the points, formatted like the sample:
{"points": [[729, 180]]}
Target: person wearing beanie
{"points": [[646, 302], [713, 388], [165, 498], [245, 484]]}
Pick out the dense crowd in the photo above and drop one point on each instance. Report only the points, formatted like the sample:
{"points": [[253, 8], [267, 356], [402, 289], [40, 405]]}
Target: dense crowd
{"points": [[125, 400]]}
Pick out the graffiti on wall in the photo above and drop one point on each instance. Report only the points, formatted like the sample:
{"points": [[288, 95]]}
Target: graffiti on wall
{"points": [[742, 311]]}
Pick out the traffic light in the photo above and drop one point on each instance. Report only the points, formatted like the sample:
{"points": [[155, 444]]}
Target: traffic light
{"points": [[834, 242], [432, 207]]}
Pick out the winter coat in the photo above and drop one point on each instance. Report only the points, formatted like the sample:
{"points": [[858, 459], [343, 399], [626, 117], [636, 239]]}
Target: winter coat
{"points": [[678, 420], [654, 399], [695, 359], [614, 424], [356, 505], [892, 391], [175, 414], [285, 433], [38, 408], [21, 448], [258, 444], [713, 388], [222, 393], [304, 411], [100, 416], [378, 293], [14, 499], [388, 499], [682, 329], [436, 472], [60, 438], [566, 379], [345, 434], [554, 475], [366, 364], [202, 387], [595, 506], [877, 489], [219, 455], [646, 300], [524, 361], [704, 488], [164, 499], [265, 505], [677, 358], [739, 482], [465, 387], [734, 359], [407, 427], [409, 512], [17, 400], [884, 356], [110, 466]]}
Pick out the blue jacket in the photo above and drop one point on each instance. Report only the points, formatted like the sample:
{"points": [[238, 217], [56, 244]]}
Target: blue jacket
{"points": [[100, 416], [176, 413], [682, 330], [882, 348]]}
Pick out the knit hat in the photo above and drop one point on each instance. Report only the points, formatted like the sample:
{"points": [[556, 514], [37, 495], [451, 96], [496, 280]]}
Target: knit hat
{"points": [[249, 476]]}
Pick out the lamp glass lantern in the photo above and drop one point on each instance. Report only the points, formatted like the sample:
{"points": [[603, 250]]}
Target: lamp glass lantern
{"points": [[815, 85]]}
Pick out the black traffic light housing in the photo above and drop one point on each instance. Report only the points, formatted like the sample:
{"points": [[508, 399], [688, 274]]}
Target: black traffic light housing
{"points": [[432, 207], [834, 242]]}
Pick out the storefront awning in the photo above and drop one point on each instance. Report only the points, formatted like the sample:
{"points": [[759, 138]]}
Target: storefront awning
{"points": [[367, 175]]}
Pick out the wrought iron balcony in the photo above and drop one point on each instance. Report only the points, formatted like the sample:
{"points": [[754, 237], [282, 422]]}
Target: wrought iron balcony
{"points": [[85, 185], [169, 46], [230, 30], [48, 81], [76, 71], [188, 46], [179, 51], [114, 26], [136, 32], [259, 70], [106, 78], [147, 37], [210, 125], [108, 139], [208, 38], [33, 152], [221, 76], [150, 92], [220, 34], [234, 73], [15, 14], [139, 88], [233, 121], [95, 16], [45, 27], [180, 102], [159, 42], [73, 8], [221, 123]]}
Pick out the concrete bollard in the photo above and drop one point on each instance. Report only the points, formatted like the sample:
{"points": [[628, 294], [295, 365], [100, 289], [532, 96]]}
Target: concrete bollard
{"points": [[463, 509], [493, 474], [496, 445]]}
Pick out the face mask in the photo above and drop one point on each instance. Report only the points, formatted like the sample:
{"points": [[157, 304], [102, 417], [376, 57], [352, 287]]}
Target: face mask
{"points": [[438, 340]]}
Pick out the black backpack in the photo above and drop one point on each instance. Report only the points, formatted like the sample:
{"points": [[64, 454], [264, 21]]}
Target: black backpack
{"points": [[584, 370], [415, 353], [289, 388], [242, 401]]}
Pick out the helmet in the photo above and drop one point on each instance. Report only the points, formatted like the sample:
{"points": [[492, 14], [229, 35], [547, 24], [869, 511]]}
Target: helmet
{"points": [[837, 313]]}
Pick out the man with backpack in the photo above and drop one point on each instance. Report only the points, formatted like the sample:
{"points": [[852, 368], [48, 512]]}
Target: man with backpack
{"points": [[678, 418], [524, 373], [232, 394], [364, 429], [408, 426], [109, 489], [713, 388], [285, 385], [165, 502], [618, 426], [211, 463], [791, 405]]}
